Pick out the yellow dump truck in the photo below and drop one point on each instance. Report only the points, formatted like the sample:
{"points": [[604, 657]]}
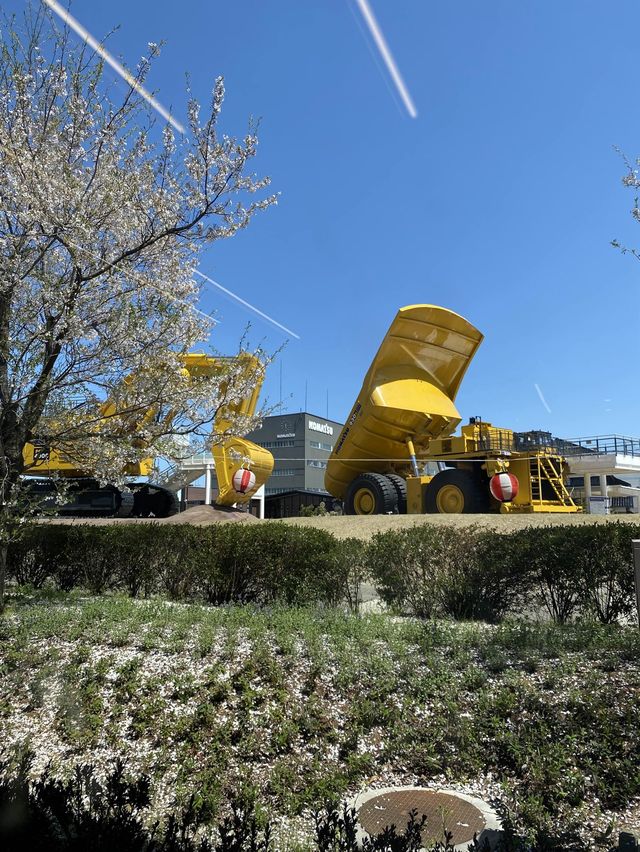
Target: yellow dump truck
{"points": [[401, 429]]}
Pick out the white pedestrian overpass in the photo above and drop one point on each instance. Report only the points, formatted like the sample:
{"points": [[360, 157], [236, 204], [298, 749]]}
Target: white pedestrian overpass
{"points": [[602, 456]]}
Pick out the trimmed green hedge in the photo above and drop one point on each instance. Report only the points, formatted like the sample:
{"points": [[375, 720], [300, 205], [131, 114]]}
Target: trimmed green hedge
{"points": [[435, 571], [427, 571], [259, 563], [570, 571]]}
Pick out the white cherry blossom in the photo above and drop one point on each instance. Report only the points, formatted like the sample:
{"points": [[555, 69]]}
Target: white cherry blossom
{"points": [[102, 216]]}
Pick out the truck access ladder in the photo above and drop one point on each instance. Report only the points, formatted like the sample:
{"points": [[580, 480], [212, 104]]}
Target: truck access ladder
{"points": [[543, 470]]}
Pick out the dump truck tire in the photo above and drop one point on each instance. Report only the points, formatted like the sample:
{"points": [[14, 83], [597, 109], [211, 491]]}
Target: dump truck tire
{"points": [[400, 485], [371, 494], [456, 492]]}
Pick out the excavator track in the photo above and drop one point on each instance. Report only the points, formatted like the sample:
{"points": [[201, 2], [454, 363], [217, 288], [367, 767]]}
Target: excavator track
{"points": [[86, 498]]}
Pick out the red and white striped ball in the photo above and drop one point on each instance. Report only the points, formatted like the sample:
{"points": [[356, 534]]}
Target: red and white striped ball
{"points": [[243, 480], [504, 486]]}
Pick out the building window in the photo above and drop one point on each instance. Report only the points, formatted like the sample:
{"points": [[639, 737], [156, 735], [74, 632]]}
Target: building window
{"points": [[286, 471], [316, 463], [271, 445], [321, 445]]}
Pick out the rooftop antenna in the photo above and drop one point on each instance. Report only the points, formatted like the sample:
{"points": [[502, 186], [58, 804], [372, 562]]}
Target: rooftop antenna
{"points": [[305, 394], [280, 403], [327, 403]]}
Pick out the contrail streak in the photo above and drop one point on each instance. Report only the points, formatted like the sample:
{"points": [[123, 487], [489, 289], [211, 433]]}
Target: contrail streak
{"points": [[383, 47], [246, 304], [84, 34], [542, 399]]}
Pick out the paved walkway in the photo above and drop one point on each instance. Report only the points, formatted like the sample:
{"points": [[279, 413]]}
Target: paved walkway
{"points": [[370, 600]]}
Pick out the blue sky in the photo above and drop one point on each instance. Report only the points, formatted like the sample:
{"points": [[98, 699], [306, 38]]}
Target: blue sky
{"points": [[499, 201]]}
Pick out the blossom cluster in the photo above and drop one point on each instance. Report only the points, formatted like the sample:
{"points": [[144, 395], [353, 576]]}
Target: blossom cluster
{"points": [[103, 218]]}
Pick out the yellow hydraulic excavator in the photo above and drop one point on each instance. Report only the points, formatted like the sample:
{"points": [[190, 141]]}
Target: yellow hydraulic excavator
{"points": [[400, 430], [241, 466]]}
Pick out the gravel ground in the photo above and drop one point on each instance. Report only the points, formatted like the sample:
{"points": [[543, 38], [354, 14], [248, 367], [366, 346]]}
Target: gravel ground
{"points": [[364, 527]]}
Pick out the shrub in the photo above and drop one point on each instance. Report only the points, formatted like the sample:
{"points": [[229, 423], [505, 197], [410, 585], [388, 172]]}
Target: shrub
{"points": [[311, 511], [321, 574], [584, 570], [605, 570], [463, 573], [352, 554], [171, 561], [222, 563], [95, 556], [504, 576], [427, 570], [36, 555], [551, 558]]}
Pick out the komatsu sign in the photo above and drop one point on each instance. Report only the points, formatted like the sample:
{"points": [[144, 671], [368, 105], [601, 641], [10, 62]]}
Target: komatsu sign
{"points": [[321, 427]]}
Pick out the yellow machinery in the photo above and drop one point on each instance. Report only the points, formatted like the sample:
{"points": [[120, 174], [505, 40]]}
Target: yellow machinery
{"points": [[402, 424], [231, 454]]}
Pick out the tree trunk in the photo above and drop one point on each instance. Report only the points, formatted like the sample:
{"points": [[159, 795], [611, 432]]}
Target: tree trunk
{"points": [[3, 571], [7, 523]]}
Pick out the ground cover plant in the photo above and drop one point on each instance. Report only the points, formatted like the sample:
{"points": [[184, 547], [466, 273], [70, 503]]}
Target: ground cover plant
{"points": [[289, 708]]}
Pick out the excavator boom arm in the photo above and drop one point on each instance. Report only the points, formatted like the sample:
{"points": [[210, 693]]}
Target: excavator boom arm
{"points": [[230, 453]]}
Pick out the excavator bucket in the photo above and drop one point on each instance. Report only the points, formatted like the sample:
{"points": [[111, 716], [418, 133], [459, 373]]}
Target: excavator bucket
{"points": [[231, 458], [407, 394], [234, 456]]}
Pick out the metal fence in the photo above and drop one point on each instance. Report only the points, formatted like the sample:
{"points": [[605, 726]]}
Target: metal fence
{"points": [[604, 445], [596, 445]]}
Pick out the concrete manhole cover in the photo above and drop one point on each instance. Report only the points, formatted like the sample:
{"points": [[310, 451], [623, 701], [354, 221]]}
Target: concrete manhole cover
{"points": [[446, 810]]}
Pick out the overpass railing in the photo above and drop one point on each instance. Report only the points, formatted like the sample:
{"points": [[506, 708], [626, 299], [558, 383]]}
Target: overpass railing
{"points": [[603, 445]]}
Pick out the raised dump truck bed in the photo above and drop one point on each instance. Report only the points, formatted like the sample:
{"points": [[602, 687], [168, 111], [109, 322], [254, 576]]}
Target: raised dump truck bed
{"points": [[408, 392], [401, 418]]}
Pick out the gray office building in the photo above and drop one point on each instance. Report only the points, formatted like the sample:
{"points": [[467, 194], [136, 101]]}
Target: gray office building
{"points": [[301, 444]]}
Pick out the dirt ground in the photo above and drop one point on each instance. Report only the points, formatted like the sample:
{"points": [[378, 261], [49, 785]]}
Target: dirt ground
{"points": [[198, 515], [364, 527]]}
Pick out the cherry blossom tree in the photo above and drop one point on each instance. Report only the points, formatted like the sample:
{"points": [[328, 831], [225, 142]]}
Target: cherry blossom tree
{"points": [[630, 180], [103, 214]]}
